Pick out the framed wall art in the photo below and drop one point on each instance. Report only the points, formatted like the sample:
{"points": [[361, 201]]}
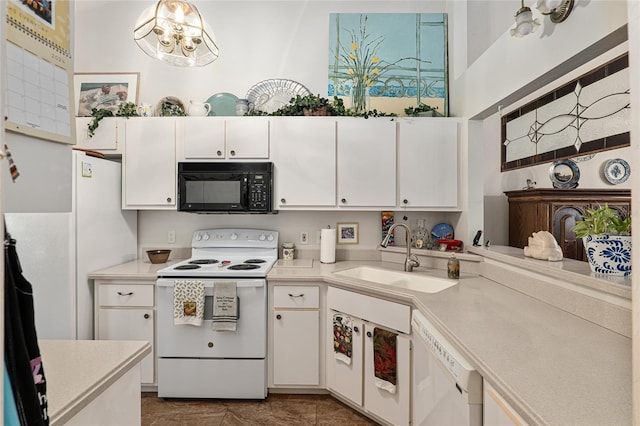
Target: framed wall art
{"points": [[104, 91], [347, 233], [587, 115]]}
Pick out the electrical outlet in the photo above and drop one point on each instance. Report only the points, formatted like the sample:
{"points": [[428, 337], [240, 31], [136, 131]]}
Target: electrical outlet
{"points": [[304, 237], [171, 237]]}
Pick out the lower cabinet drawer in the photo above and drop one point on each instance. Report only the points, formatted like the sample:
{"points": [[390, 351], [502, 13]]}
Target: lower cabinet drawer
{"points": [[126, 295], [296, 297], [393, 315]]}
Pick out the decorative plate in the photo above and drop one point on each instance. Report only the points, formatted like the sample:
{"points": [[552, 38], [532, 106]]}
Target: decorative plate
{"points": [[170, 106], [564, 174], [616, 171], [442, 231], [271, 95], [222, 104]]}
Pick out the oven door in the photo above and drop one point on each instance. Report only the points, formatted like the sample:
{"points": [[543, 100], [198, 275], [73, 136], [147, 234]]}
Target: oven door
{"points": [[213, 191], [189, 341]]}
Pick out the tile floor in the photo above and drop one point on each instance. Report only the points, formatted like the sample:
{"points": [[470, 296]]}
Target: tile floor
{"points": [[277, 409]]}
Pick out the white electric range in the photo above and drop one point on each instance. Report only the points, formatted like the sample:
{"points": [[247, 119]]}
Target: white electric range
{"points": [[197, 361]]}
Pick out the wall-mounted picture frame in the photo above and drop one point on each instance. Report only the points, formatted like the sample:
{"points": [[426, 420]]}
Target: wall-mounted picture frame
{"points": [[347, 233], [104, 91]]}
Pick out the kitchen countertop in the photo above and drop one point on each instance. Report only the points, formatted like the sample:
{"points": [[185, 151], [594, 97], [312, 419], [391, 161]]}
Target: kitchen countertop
{"points": [[551, 366], [77, 371], [134, 270]]}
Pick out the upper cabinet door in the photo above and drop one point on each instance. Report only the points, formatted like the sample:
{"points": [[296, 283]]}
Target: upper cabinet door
{"points": [[304, 155], [107, 137], [366, 162], [247, 137], [149, 164], [428, 163], [200, 138]]}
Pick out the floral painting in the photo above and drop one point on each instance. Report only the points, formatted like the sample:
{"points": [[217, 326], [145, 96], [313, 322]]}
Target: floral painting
{"points": [[389, 62]]}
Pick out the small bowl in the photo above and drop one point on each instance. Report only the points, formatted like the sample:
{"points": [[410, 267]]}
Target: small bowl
{"points": [[452, 245], [158, 256]]}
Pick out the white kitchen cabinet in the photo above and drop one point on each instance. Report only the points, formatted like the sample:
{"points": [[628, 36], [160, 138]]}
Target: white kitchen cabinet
{"points": [[356, 381], [125, 310], [108, 137], [497, 411], [295, 337], [304, 156], [366, 162], [149, 164], [428, 163], [247, 137], [222, 138]]}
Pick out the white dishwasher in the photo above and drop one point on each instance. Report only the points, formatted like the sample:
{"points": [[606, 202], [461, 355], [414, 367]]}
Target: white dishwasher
{"points": [[447, 390]]}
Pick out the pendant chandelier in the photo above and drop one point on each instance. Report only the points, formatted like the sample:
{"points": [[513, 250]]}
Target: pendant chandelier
{"points": [[173, 31]]}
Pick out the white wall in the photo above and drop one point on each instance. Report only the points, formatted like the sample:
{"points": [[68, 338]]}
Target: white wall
{"points": [[258, 40]]}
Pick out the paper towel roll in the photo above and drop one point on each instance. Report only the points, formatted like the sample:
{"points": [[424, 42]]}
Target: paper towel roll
{"points": [[328, 245]]}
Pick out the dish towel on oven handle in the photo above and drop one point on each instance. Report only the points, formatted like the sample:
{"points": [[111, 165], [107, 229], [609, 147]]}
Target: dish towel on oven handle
{"points": [[384, 359], [225, 306], [188, 302], [342, 337]]}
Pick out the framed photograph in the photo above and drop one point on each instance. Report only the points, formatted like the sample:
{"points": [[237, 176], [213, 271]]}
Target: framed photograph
{"points": [[104, 91], [347, 233]]}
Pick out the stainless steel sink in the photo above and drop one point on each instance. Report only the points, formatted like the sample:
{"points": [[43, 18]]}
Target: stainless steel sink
{"points": [[398, 279]]}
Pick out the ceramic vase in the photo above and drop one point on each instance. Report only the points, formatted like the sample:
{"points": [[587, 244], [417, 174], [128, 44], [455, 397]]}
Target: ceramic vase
{"points": [[609, 254]]}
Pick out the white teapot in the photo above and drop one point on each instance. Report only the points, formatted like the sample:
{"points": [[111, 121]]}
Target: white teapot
{"points": [[199, 109]]}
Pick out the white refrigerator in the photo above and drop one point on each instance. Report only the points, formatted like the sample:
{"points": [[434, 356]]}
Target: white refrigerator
{"points": [[58, 250]]}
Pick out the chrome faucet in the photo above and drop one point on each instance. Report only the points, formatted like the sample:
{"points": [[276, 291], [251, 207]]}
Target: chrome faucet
{"points": [[411, 261]]}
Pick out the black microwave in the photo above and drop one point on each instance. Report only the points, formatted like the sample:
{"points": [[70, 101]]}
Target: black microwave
{"points": [[218, 187]]}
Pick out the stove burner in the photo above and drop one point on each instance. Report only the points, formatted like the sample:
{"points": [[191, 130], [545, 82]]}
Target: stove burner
{"points": [[255, 261], [243, 266], [203, 261], [187, 267]]}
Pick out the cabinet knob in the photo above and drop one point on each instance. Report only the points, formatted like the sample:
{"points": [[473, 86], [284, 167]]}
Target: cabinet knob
{"points": [[278, 316], [283, 200], [168, 199], [343, 201], [232, 152], [369, 334], [356, 329], [405, 201], [210, 344], [125, 294], [219, 153], [146, 316]]}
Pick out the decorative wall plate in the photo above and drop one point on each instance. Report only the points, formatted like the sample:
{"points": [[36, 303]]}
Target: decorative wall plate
{"points": [[616, 171], [222, 104], [564, 174], [442, 231], [271, 95]]}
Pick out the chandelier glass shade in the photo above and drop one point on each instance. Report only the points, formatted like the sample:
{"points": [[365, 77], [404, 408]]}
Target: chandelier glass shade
{"points": [[525, 23], [173, 31]]}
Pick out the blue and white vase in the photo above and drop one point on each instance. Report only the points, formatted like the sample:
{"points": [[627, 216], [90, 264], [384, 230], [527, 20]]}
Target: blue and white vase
{"points": [[609, 254]]}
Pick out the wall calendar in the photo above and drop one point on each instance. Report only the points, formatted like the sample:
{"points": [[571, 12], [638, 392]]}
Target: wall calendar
{"points": [[40, 69]]}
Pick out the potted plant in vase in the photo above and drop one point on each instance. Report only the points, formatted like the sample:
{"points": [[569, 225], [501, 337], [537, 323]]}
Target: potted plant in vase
{"points": [[607, 240]]}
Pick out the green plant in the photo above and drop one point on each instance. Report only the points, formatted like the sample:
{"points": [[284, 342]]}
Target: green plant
{"points": [[127, 109], [414, 111], [170, 109], [317, 105], [602, 220]]}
